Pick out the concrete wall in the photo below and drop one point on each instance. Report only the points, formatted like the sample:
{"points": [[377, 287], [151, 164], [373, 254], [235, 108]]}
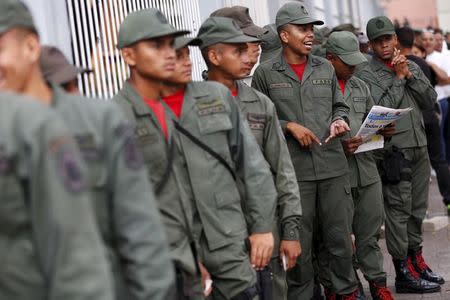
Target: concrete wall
{"points": [[443, 8]]}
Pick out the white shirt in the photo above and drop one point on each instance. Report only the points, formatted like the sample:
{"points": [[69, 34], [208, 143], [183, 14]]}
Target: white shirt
{"points": [[443, 62]]}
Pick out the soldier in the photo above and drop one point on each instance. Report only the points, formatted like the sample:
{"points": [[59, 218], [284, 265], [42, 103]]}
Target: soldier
{"points": [[210, 151], [57, 69], [124, 204], [313, 114], [227, 62], [270, 43], [342, 50], [49, 243], [405, 170]]}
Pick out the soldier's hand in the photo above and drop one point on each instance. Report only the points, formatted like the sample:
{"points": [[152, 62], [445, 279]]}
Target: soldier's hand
{"points": [[400, 63], [337, 128], [302, 134], [350, 145], [205, 276], [261, 249], [292, 250], [388, 131]]}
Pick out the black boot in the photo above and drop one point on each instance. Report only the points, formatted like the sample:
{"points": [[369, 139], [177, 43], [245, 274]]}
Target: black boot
{"points": [[422, 268], [407, 280], [379, 290]]}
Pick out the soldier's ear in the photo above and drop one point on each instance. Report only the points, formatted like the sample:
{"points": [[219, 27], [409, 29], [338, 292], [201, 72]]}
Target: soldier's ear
{"points": [[128, 55], [32, 47], [214, 56], [284, 36]]}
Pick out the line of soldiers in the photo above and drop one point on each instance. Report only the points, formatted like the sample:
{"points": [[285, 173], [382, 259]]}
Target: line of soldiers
{"points": [[190, 190]]}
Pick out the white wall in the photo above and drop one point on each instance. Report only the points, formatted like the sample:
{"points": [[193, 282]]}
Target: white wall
{"points": [[443, 8]]}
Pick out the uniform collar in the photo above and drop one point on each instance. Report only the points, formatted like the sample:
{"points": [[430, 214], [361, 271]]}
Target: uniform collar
{"points": [[138, 104], [246, 93], [280, 64], [377, 65]]}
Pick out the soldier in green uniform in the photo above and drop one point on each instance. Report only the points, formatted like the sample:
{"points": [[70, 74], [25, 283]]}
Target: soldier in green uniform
{"points": [[405, 170], [49, 242], [342, 50], [227, 63], [270, 43], [123, 201], [313, 114]]}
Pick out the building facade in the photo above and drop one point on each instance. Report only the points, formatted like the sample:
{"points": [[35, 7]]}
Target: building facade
{"points": [[86, 30]]}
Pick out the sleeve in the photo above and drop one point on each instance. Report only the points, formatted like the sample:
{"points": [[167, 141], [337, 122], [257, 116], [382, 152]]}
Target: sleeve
{"points": [[340, 108], [69, 246], [279, 159], [137, 226], [424, 94], [253, 170]]}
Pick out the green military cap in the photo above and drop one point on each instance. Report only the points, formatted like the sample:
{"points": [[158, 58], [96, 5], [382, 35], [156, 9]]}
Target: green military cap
{"points": [[344, 27], [143, 25], [318, 35], [13, 13], [56, 68], [294, 13], [345, 45], [183, 41], [241, 15], [270, 43], [222, 30], [379, 26]]}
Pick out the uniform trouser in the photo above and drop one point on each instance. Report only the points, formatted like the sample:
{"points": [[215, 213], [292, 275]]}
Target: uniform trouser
{"points": [[229, 267], [405, 204], [279, 286], [328, 200], [367, 221]]}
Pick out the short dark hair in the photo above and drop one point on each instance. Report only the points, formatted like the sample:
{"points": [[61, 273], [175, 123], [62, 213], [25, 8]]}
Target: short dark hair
{"points": [[405, 36]]}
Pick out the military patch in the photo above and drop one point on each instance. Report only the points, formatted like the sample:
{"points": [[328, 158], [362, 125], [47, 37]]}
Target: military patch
{"points": [[256, 121], [87, 146], [141, 131], [379, 24], [280, 85], [210, 107], [304, 10], [133, 157], [70, 170], [321, 81]]}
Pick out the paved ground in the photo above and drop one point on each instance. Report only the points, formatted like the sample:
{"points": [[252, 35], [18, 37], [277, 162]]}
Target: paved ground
{"points": [[436, 252]]}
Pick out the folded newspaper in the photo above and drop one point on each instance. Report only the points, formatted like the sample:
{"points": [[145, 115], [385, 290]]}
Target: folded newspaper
{"points": [[378, 118]]}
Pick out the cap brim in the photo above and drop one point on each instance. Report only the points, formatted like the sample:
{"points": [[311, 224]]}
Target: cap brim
{"points": [[307, 20], [254, 30], [392, 32], [186, 41], [164, 32], [353, 59], [241, 39]]}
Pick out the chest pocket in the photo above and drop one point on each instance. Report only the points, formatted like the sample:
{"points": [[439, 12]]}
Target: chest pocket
{"points": [[212, 117], [257, 124], [322, 88], [359, 104], [151, 143], [281, 91]]}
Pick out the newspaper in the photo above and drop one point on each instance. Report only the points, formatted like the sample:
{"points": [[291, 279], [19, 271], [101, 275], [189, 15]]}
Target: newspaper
{"points": [[378, 118]]}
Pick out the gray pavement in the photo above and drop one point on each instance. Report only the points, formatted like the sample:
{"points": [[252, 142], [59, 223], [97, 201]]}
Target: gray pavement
{"points": [[436, 252]]}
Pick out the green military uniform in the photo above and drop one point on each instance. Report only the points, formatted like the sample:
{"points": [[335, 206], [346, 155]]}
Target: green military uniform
{"points": [[124, 203], [261, 116], [322, 171], [405, 202], [49, 243], [176, 210], [210, 114], [364, 178]]}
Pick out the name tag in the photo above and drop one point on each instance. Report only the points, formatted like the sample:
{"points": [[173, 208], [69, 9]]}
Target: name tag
{"points": [[321, 81], [210, 107], [359, 99], [256, 121], [281, 85]]}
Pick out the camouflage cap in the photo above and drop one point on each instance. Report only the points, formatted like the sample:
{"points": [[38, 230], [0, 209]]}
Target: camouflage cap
{"points": [[13, 13], [379, 26], [345, 45], [222, 30], [270, 43], [183, 41], [295, 13], [241, 15], [143, 25], [56, 68]]}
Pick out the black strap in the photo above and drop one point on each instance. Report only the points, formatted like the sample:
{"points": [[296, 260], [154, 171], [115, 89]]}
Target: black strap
{"points": [[205, 147]]}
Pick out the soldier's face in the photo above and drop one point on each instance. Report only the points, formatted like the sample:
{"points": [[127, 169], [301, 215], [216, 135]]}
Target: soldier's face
{"points": [[233, 60], [153, 59], [384, 46], [19, 52], [299, 38], [343, 71], [183, 67], [253, 53], [428, 42], [439, 40]]}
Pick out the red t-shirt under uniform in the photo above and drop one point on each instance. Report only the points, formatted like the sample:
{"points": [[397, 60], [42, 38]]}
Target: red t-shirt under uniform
{"points": [[175, 102], [342, 83], [158, 109], [299, 69]]}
